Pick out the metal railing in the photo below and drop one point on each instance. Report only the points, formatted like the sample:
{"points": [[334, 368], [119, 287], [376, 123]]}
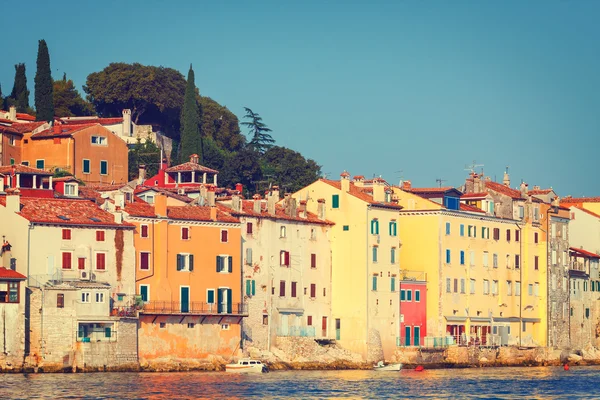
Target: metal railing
{"points": [[124, 311], [193, 307], [297, 331]]}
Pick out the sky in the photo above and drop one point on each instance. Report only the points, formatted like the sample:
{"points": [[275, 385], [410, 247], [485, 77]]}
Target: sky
{"points": [[409, 90]]}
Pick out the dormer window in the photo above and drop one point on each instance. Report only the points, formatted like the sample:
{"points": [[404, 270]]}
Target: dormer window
{"points": [[71, 189]]}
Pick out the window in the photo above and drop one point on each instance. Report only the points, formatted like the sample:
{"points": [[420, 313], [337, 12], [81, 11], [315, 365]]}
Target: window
{"points": [[190, 325], [393, 255], [313, 260], [81, 263], [486, 286], [210, 296], [284, 258], [249, 228], [462, 285], [486, 259], [392, 228], [40, 164], [86, 166], [85, 297], [472, 284], [393, 284], [103, 167], [508, 235], [145, 293], [374, 288], [99, 236], [374, 227], [60, 300], [224, 264], [282, 232], [249, 256], [11, 140], [294, 289], [374, 253], [417, 296], [447, 228], [66, 234], [536, 215], [99, 297], [281, 288], [162, 325], [564, 232], [144, 261], [565, 260], [144, 231], [313, 234], [99, 140], [403, 295], [185, 262], [335, 201], [309, 320], [185, 233], [346, 228], [448, 285], [530, 289], [471, 231], [535, 237], [251, 287], [517, 288], [553, 257], [70, 189], [313, 290], [455, 285], [101, 261], [517, 235], [496, 233], [508, 261], [25, 163], [472, 258], [536, 263], [66, 260], [447, 256], [494, 287], [12, 161], [224, 236], [587, 313], [495, 260], [508, 288], [553, 230], [462, 230], [521, 212], [517, 261], [462, 257]]}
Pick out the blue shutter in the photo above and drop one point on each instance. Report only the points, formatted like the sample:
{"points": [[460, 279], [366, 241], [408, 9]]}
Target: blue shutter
{"points": [[253, 287], [230, 266], [462, 257], [335, 201], [402, 295], [210, 297], [409, 295], [447, 256], [191, 261], [179, 262], [393, 284], [417, 295], [144, 292], [247, 288], [219, 263], [462, 230], [374, 283], [229, 298]]}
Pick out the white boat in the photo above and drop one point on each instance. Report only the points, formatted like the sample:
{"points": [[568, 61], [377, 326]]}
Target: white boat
{"points": [[389, 367], [245, 366]]}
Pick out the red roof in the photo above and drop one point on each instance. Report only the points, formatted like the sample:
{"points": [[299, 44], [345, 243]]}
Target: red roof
{"points": [[27, 127], [10, 275], [428, 190], [26, 117], [505, 190], [579, 200], [584, 253], [190, 166], [8, 129], [92, 120], [466, 207], [65, 131], [22, 169], [64, 212], [360, 194], [474, 195], [539, 191], [168, 193], [185, 213], [248, 210]]}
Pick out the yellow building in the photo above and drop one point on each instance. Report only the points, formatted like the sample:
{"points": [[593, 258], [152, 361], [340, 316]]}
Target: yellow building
{"points": [[365, 264], [486, 276]]}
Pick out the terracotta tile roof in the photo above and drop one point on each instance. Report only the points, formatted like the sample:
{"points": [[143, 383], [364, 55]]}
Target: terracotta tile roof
{"points": [[360, 194], [248, 210], [27, 127], [539, 191], [26, 117], [6, 121], [22, 169], [190, 166], [184, 213], [474, 195], [92, 120], [65, 131], [140, 209], [9, 129], [10, 275], [91, 194], [62, 179], [466, 207], [105, 187], [429, 190], [169, 193], [505, 190], [579, 200], [584, 253], [73, 212]]}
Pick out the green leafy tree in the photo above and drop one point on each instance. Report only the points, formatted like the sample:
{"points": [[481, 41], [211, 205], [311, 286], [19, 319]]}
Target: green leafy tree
{"points": [[220, 124], [290, 169], [146, 153], [191, 141], [261, 139], [44, 102], [153, 94], [67, 100], [19, 97]]}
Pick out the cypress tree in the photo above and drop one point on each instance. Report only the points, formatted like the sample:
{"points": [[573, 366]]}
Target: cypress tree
{"points": [[191, 142], [20, 94], [44, 95]]}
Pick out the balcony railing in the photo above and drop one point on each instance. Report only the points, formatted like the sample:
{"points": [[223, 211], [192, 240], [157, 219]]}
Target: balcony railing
{"points": [[297, 331], [124, 311], [193, 307]]}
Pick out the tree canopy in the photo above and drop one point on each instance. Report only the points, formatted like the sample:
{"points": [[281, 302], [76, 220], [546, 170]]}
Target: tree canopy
{"points": [[146, 153], [19, 97], [190, 140], [289, 168], [67, 100], [261, 139], [44, 103]]}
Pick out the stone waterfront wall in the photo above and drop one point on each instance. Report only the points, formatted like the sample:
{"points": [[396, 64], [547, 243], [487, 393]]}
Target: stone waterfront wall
{"points": [[12, 335]]}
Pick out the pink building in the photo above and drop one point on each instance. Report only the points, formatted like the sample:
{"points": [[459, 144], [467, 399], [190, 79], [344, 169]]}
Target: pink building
{"points": [[413, 312]]}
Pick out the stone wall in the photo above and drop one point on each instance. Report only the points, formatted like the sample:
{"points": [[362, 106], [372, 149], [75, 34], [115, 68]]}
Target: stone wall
{"points": [[12, 335]]}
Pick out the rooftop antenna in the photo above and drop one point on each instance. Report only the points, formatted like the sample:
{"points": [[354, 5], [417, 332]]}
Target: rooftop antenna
{"points": [[471, 168], [439, 181], [325, 174], [400, 177]]}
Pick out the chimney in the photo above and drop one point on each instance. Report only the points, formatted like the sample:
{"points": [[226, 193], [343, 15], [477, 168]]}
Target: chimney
{"points": [[204, 192], [141, 174], [211, 196], [523, 189], [160, 205], [321, 209], [12, 113], [506, 179], [127, 122], [56, 129], [257, 204], [556, 201], [271, 201], [194, 158], [406, 185], [536, 187], [345, 181], [13, 202], [213, 213], [359, 181], [164, 164], [236, 203], [378, 190], [275, 193], [302, 209], [119, 199], [239, 188], [287, 204], [477, 187], [118, 217]]}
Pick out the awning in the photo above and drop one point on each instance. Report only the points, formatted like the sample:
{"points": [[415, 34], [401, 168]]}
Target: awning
{"points": [[291, 310], [533, 320], [508, 319], [481, 320], [456, 319]]}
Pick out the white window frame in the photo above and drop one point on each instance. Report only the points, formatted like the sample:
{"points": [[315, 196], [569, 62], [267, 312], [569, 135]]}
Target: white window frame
{"points": [[147, 231], [188, 232], [149, 260], [415, 296], [83, 166], [99, 295], [147, 291], [104, 161], [105, 261], [11, 140], [85, 297], [221, 236], [186, 262], [282, 232], [99, 140], [224, 264], [70, 189]]}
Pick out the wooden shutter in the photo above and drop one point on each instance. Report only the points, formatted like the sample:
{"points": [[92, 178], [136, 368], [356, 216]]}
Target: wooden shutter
{"points": [[229, 299], [100, 261], [293, 289], [184, 233], [230, 264], [309, 320], [144, 292], [60, 300], [144, 260], [219, 300], [191, 262], [179, 262], [219, 261], [249, 228], [66, 260], [210, 297], [287, 258], [253, 287], [517, 235], [81, 263], [100, 236], [224, 236], [313, 290], [248, 287], [282, 288], [313, 260], [66, 234], [144, 231], [249, 256]]}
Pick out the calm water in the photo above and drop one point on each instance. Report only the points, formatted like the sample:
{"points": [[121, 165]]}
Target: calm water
{"points": [[488, 383]]}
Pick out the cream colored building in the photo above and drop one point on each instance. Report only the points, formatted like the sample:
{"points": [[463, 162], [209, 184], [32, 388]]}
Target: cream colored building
{"points": [[365, 262]]}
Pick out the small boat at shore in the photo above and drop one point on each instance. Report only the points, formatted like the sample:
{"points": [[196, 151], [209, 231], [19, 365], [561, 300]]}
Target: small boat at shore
{"points": [[387, 367], [247, 366]]}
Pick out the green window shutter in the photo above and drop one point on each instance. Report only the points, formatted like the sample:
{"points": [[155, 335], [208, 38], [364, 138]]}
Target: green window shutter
{"points": [[374, 283], [417, 295], [144, 292], [335, 201], [377, 227], [107, 332], [218, 263], [230, 266], [346, 227], [219, 300], [402, 295], [409, 295], [248, 288], [210, 297], [104, 167], [191, 260], [86, 166], [393, 284], [253, 287], [81, 331], [179, 262], [229, 298], [372, 227]]}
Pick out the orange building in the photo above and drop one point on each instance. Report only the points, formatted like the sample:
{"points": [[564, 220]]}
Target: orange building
{"points": [[90, 152], [188, 275], [11, 138]]}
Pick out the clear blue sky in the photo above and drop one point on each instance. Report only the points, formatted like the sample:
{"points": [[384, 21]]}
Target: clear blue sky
{"points": [[424, 87]]}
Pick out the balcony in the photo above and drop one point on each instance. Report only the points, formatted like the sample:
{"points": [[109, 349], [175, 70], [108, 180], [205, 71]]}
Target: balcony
{"points": [[194, 308]]}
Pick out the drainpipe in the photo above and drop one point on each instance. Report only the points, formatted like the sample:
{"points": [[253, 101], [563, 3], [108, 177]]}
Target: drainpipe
{"points": [[367, 273], [29, 228], [521, 284]]}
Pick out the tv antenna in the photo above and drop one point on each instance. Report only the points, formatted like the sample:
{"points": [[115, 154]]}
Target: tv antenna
{"points": [[471, 168], [439, 181], [400, 176]]}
